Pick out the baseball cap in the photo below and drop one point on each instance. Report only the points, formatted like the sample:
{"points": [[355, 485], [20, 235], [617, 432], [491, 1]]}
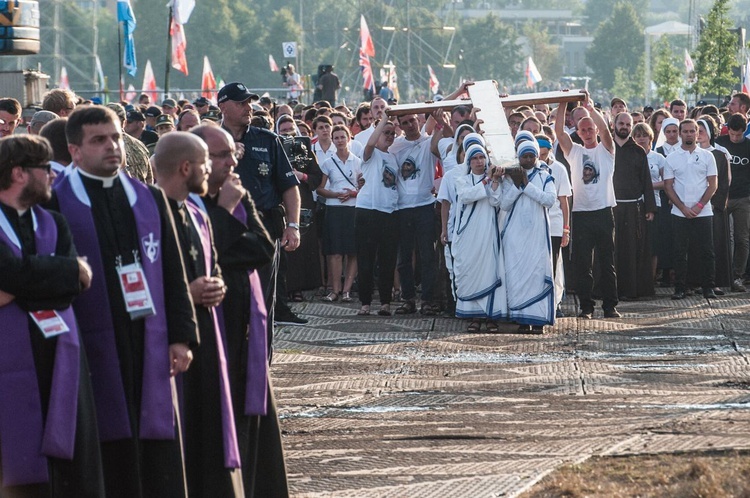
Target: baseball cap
{"points": [[202, 101], [617, 100], [212, 116], [169, 103], [152, 112], [135, 116], [164, 119], [235, 91], [42, 117]]}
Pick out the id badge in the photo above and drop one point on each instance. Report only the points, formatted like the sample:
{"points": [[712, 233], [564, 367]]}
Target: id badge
{"points": [[49, 322], [135, 292]]}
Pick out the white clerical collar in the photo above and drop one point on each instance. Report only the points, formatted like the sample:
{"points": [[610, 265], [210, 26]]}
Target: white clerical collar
{"points": [[107, 181]]}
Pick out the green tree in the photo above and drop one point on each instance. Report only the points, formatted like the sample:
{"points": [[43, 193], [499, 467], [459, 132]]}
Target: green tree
{"points": [[716, 54], [599, 11], [618, 43], [503, 62], [667, 74], [546, 55]]}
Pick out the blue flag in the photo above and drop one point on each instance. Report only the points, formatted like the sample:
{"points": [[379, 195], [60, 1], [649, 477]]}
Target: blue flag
{"points": [[125, 15]]}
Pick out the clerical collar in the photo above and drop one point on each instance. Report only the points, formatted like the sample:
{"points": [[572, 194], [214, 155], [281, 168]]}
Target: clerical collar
{"points": [[107, 181]]}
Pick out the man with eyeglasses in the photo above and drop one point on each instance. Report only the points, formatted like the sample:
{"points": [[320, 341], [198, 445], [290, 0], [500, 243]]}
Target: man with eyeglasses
{"points": [[137, 321], [48, 436]]}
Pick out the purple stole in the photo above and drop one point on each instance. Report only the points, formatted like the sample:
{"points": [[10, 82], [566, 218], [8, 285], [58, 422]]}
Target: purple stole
{"points": [[256, 386], [26, 440], [97, 329], [229, 433]]}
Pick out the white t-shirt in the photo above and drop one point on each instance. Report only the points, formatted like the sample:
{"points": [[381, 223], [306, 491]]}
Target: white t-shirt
{"points": [[448, 193], [338, 182], [379, 192], [364, 135], [447, 148], [562, 186], [321, 154], [356, 148], [690, 171], [597, 190], [416, 174], [656, 164]]}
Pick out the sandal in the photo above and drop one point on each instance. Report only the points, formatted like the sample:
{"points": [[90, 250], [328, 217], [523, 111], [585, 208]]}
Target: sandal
{"points": [[492, 327], [428, 309], [407, 308], [346, 297], [332, 297], [474, 326], [364, 310], [385, 310]]}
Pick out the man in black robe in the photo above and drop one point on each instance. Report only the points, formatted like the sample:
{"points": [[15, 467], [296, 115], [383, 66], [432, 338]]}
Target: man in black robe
{"points": [[635, 208], [118, 223], [211, 454], [243, 245], [34, 280]]}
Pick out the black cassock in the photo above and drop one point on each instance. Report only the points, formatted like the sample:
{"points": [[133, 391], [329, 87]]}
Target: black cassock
{"points": [[137, 467], [243, 247], [201, 389], [41, 283]]}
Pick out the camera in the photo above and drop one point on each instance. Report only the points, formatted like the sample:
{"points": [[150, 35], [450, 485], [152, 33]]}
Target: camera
{"points": [[299, 151]]}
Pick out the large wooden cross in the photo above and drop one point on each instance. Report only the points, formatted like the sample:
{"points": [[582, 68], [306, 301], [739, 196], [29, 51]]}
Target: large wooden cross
{"points": [[484, 95]]}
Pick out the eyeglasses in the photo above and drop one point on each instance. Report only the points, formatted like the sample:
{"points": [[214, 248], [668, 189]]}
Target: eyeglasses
{"points": [[224, 155], [46, 167], [389, 133]]}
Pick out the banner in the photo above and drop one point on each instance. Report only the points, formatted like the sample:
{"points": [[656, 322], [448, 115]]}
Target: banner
{"points": [[125, 15]]}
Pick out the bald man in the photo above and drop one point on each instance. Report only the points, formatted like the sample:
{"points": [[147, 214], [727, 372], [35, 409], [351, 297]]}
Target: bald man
{"points": [[211, 453]]}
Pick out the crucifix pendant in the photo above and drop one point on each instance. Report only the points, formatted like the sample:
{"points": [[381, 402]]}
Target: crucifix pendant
{"points": [[193, 252]]}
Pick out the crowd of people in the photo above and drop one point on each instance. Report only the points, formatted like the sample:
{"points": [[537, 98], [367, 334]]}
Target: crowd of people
{"points": [[147, 252]]}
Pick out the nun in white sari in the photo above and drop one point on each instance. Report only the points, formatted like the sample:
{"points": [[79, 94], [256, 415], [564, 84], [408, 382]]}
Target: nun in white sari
{"points": [[528, 193], [478, 266]]}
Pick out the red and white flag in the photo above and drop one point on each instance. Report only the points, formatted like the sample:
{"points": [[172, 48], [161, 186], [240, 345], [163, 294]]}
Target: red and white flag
{"points": [[367, 76], [434, 83], [368, 47], [208, 82], [149, 81], [272, 64], [179, 46], [533, 76], [64, 81], [689, 66], [746, 76], [181, 10]]}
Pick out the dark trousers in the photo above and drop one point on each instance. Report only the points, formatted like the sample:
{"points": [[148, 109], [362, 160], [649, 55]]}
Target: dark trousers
{"points": [[417, 229], [594, 234], [695, 232], [376, 237]]}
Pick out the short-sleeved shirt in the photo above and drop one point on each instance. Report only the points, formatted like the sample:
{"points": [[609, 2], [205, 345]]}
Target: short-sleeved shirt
{"points": [[416, 174], [447, 192], [379, 192], [264, 169], [321, 154], [690, 171], [656, 164], [341, 177], [562, 186], [740, 165], [591, 174]]}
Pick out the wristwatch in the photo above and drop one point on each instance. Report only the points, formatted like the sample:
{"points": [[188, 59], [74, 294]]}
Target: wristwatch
{"points": [[294, 225]]}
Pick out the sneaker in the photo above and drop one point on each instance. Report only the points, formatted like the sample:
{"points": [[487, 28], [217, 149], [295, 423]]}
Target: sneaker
{"points": [[612, 313], [738, 286], [709, 294], [289, 318]]}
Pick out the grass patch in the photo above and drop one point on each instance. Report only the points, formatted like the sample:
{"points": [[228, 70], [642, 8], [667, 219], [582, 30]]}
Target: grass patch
{"points": [[684, 475]]}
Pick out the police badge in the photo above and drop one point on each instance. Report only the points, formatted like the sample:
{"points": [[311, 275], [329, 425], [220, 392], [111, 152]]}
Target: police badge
{"points": [[264, 169]]}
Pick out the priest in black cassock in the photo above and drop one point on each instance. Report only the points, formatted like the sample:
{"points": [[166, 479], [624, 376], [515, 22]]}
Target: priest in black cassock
{"points": [[243, 245], [48, 436], [137, 320], [212, 459]]}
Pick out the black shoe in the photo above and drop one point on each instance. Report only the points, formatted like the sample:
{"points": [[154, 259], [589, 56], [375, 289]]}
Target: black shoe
{"points": [[678, 295], [524, 329], [289, 319], [559, 313], [537, 329], [586, 315], [709, 294], [613, 313], [718, 291]]}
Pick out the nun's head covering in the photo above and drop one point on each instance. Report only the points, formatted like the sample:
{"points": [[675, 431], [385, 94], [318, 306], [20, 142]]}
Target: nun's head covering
{"points": [[709, 126], [527, 146], [473, 138], [287, 117], [524, 135], [473, 151], [662, 137], [457, 146]]}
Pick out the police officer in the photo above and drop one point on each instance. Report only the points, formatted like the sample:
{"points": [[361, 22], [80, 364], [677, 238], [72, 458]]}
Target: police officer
{"points": [[266, 173]]}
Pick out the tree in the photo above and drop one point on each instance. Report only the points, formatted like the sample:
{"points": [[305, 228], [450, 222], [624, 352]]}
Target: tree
{"points": [[599, 11], [716, 54], [618, 43], [546, 55], [502, 62], [667, 75]]}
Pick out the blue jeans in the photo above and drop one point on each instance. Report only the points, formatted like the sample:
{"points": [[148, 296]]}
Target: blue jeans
{"points": [[417, 228]]}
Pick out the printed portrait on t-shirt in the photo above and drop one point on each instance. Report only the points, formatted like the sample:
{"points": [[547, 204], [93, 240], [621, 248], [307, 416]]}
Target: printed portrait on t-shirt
{"points": [[389, 176], [409, 169], [590, 170]]}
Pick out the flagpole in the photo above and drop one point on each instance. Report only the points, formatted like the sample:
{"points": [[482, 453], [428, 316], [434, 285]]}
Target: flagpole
{"points": [[169, 52], [119, 66]]}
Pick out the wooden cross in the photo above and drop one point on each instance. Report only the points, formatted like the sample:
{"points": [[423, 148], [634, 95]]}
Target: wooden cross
{"points": [[496, 132]]}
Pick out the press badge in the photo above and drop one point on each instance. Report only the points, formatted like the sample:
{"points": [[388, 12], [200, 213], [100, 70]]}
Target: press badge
{"points": [[135, 292], [49, 322]]}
